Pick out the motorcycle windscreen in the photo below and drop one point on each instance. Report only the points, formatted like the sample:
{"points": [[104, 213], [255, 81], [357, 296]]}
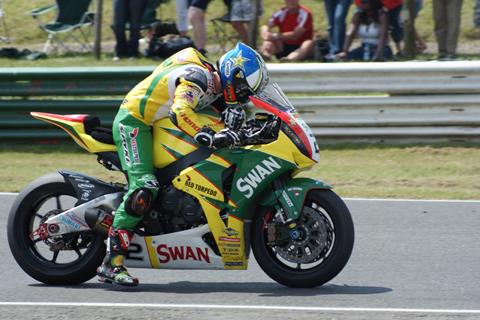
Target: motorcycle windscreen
{"points": [[274, 100]]}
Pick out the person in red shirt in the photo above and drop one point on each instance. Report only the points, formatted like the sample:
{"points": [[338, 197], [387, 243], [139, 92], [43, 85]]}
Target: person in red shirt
{"points": [[294, 39]]}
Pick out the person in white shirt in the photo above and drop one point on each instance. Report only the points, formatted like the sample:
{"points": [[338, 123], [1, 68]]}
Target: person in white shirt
{"points": [[370, 24]]}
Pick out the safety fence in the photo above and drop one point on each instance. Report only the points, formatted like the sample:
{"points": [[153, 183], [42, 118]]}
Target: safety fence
{"points": [[418, 101]]}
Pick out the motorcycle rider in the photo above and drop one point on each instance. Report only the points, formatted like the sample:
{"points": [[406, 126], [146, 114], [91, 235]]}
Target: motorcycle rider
{"points": [[183, 84]]}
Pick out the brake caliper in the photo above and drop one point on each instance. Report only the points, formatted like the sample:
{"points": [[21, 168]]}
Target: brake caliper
{"points": [[41, 232], [278, 234]]}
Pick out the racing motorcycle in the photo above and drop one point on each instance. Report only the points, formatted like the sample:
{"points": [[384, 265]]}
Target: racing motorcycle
{"points": [[214, 205]]}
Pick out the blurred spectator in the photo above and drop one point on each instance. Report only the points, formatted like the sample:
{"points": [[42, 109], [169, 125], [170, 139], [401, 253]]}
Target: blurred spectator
{"points": [[476, 15], [446, 18], [196, 17], [337, 11], [419, 43], [370, 24], [240, 12], [181, 7], [393, 9], [294, 39], [130, 11]]}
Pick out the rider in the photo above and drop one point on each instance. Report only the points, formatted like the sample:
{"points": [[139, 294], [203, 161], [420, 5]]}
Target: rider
{"points": [[180, 86]]}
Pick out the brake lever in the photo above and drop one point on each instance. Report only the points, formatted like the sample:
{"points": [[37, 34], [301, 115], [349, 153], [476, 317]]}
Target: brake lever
{"points": [[268, 132]]}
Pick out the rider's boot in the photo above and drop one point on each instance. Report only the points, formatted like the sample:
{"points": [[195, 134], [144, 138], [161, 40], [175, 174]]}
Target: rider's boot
{"points": [[112, 269]]}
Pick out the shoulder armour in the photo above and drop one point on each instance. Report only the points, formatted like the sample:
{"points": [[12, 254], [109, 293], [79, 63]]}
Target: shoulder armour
{"points": [[198, 77]]}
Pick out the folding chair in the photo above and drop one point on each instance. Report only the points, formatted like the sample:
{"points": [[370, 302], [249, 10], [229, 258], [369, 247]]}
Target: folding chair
{"points": [[70, 24], [225, 36]]}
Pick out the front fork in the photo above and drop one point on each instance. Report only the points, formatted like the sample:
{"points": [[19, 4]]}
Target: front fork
{"points": [[288, 199]]}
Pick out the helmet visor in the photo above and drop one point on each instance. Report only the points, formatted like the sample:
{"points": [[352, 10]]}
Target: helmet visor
{"points": [[241, 88]]}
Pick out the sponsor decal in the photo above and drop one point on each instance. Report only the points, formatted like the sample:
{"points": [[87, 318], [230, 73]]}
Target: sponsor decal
{"points": [[168, 254], [295, 189], [230, 232], [125, 101], [124, 238], [231, 245], [85, 186], [189, 121], [287, 199], [126, 154], [85, 195], [188, 96], [201, 188], [228, 68], [234, 264], [134, 133], [250, 182], [229, 239], [133, 143], [79, 179], [69, 222]]}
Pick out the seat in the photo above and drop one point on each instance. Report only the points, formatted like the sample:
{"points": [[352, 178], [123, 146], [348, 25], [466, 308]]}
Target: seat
{"points": [[73, 23]]}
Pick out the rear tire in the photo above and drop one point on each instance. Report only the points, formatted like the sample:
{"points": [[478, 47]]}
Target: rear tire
{"points": [[32, 255], [327, 217]]}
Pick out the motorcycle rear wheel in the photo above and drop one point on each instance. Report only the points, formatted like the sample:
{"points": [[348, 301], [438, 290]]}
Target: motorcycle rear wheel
{"points": [[65, 260], [324, 250]]}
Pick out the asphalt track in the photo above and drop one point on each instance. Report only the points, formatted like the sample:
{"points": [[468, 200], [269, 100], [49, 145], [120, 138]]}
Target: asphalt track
{"points": [[412, 259]]}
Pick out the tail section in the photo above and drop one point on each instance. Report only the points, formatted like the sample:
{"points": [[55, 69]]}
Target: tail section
{"points": [[74, 125]]}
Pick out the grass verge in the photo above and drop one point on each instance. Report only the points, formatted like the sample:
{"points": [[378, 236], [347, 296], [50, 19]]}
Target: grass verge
{"points": [[418, 172]]}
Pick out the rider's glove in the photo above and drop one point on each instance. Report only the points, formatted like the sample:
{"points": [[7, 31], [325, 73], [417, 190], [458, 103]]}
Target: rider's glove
{"points": [[224, 138], [205, 136], [227, 138], [233, 117]]}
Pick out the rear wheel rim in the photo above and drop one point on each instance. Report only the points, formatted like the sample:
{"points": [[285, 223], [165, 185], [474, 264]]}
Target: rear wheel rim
{"points": [[56, 252]]}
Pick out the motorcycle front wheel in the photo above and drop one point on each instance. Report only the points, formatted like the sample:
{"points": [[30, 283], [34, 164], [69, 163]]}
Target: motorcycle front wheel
{"points": [[319, 246], [68, 259]]}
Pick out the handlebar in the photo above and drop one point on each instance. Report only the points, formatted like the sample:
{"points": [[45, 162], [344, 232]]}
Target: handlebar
{"points": [[261, 130]]}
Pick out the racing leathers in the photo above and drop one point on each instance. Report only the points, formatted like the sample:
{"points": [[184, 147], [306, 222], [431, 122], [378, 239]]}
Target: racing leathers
{"points": [[180, 85]]}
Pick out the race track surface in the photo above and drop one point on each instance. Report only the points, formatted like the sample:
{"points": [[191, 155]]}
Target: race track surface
{"points": [[412, 259]]}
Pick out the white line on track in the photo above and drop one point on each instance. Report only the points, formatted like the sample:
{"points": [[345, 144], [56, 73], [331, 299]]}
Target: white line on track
{"points": [[8, 194], [238, 307], [412, 200]]}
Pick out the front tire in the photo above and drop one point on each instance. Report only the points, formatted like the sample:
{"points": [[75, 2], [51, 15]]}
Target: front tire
{"points": [[65, 260], [319, 255]]}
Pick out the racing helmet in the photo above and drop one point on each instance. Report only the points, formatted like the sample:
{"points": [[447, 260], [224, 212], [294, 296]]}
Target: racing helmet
{"points": [[243, 73]]}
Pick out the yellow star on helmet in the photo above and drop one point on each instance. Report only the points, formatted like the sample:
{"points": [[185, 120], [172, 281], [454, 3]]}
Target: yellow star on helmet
{"points": [[238, 61]]}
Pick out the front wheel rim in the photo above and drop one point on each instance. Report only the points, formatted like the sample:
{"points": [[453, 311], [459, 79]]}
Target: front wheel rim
{"points": [[314, 245]]}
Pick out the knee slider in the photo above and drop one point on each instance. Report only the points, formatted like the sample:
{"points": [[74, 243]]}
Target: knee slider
{"points": [[139, 202]]}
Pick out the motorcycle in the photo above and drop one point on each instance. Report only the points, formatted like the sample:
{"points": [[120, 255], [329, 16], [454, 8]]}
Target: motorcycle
{"points": [[214, 205]]}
